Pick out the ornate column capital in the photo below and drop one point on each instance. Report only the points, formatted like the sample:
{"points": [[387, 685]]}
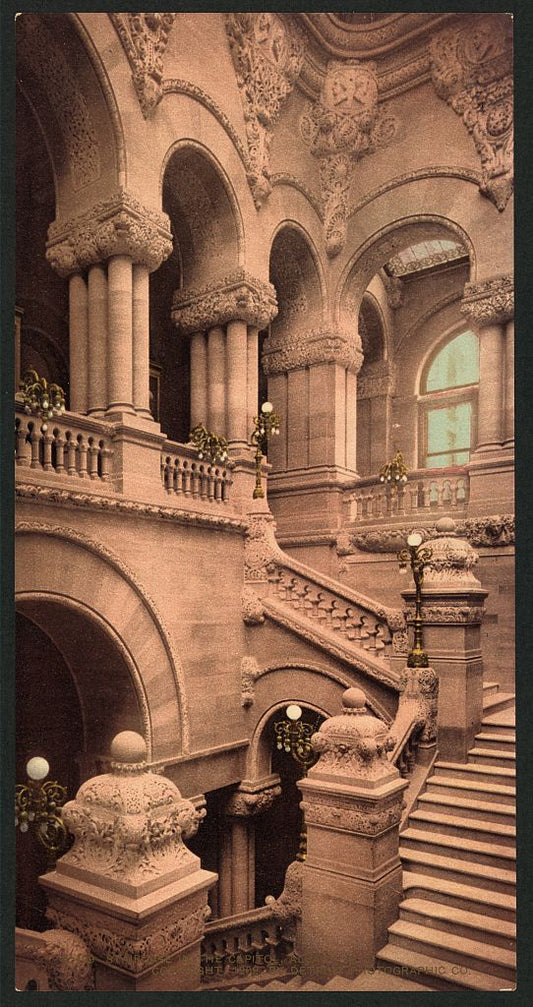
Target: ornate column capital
{"points": [[341, 127], [489, 302], [145, 37], [238, 297], [251, 799], [267, 53], [120, 225], [472, 69], [320, 346]]}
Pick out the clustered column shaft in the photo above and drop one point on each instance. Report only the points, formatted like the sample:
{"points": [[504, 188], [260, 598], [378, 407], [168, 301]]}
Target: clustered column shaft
{"points": [[224, 380], [78, 343]]}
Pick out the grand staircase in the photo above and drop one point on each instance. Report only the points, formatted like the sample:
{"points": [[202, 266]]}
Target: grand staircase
{"points": [[456, 928]]}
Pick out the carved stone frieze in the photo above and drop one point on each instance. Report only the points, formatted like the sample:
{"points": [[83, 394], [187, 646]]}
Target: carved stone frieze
{"points": [[458, 613], [65, 958], [238, 296], [488, 532], [249, 673], [498, 530], [489, 302], [317, 347], [120, 225], [267, 51], [358, 816], [246, 803], [253, 613], [145, 37], [472, 69], [341, 127], [354, 744]]}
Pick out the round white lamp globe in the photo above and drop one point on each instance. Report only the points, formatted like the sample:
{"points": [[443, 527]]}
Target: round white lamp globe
{"points": [[37, 768], [267, 407], [293, 712], [414, 539]]}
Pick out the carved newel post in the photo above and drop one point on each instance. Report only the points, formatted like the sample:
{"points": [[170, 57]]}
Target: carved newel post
{"points": [[129, 887], [452, 613], [351, 880]]}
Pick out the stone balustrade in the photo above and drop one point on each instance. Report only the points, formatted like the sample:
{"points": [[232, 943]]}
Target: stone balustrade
{"points": [[184, 475], [69, 445], [426, 491], [245, 944]]}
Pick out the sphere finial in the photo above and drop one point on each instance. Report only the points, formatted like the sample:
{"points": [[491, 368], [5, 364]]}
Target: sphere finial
{"points": [[128, 747]]}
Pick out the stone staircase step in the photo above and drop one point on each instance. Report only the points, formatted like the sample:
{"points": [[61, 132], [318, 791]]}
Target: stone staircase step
{"points": [[475, 926], [441, 975], [464, 871], [503, 721], [483, 811], [461, 848], [502, 742], [480, 756], [490, 688], [460, 895], [453, 825], [476, 790], [481, 774], [498, 702], [340, 984], [453, 948]]}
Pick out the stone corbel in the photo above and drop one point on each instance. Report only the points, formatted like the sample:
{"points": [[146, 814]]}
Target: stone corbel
{"points": [[267, 54], [120, 225], [64, 957], [321, 346], [251, 799], [472, 71], [145, 37], [238, 296], [249, 674], [344, 125], [489, 302]]}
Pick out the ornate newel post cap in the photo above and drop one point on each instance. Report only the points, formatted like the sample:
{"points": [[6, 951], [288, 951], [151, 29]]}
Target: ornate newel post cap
{"points": [[353, 746], [452, 558], [129, 826]]}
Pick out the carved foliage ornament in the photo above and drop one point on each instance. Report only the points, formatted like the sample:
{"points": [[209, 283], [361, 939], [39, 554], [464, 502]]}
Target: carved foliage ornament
{"points": [[120, 225], [267, 55], [361, 816], [249, 673], [245, 804], [340, 128], [354, 744], [144, 37], [472, 72], [317, 347], [419, 690], [65, 959], [238, 296], [489, 302]]}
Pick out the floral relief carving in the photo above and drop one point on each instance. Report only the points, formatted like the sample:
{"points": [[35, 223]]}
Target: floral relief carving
{"points": [[319, 346], [253, 613], [238, 296], [341, 127], [261, 551], [360, 816], [472, 72], [489, 302], [65, 958], [120, 225], [246, 804], [456, 614], [419, 693], [249, 673], [267, 52], [488, 532], [145, 37]]}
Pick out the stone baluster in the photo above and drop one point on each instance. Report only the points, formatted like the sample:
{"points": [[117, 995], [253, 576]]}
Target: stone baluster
{"points": [[237, 868], [452, 610], [129, 887], [351, 879]]}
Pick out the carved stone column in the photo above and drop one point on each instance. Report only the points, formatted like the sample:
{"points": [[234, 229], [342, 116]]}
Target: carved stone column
{"points": [[452, 610], [375, 384], [237, 869], [252, 381], [141, 339], [508, 419], [216, 380], [96, 343], [198, 379], [237, 370], [78, 344], [129, 887], [120, 334], [351, 879]]}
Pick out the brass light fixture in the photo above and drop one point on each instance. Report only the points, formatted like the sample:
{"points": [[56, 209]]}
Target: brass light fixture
{"points": [[293, 736], [39, 805], [417, 555], [394, 473], [265, 424], [41, 398], [209, 445]]}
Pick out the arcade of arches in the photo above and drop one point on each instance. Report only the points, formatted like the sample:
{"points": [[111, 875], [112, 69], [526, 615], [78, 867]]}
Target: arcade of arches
{"points": [[213, 210]]}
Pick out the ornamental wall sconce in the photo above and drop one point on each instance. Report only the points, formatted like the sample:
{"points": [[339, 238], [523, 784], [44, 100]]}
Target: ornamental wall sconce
{"points": [[38, 805], [266, 424], [41, 398], [417, 555], [209, 445], [394, 473], [293, 736]]}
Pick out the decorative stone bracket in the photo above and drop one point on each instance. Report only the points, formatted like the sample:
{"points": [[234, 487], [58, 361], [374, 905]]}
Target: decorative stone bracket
{"points": [[267, 53], [321, 346], [472, 71], [238, 296], [249, 674], [250, 800], [145, 37], [64, 957], [489, 302], [120, 225], [341, 127]]}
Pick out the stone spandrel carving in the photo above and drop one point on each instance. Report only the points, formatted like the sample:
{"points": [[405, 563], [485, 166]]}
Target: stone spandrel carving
{"points": [[65, 958], [472, 71], [267, 52], [120, 225], [320, 346], [239, 296], [145, 37], [489, 302], [343, 126]]}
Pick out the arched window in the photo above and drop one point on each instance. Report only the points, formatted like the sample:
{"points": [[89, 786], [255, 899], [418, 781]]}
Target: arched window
{"points": [[448, 402]]}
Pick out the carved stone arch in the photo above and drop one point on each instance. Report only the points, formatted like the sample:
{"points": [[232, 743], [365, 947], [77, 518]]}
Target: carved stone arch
{"points": [[296, 274], [80, 572], [372, 330]]}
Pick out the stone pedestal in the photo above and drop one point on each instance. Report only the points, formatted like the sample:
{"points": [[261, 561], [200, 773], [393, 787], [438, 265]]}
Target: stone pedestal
{"points": [[351, 880], [452, 610], [129, 887]]}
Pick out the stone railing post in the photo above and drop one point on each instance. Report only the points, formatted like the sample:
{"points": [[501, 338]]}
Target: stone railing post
{"points": [[351, 879], [237, 869], [129, 887], [452, 611]]}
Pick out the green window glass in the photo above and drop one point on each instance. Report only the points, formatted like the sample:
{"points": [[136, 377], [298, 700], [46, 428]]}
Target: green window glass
{"points": [[448, 435], [449, 398], [457, 364]]}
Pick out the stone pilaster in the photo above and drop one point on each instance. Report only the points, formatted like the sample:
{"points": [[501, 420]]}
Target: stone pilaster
{"points": [[237, 870], [129, 887], [351, 879], [452, 610]]}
